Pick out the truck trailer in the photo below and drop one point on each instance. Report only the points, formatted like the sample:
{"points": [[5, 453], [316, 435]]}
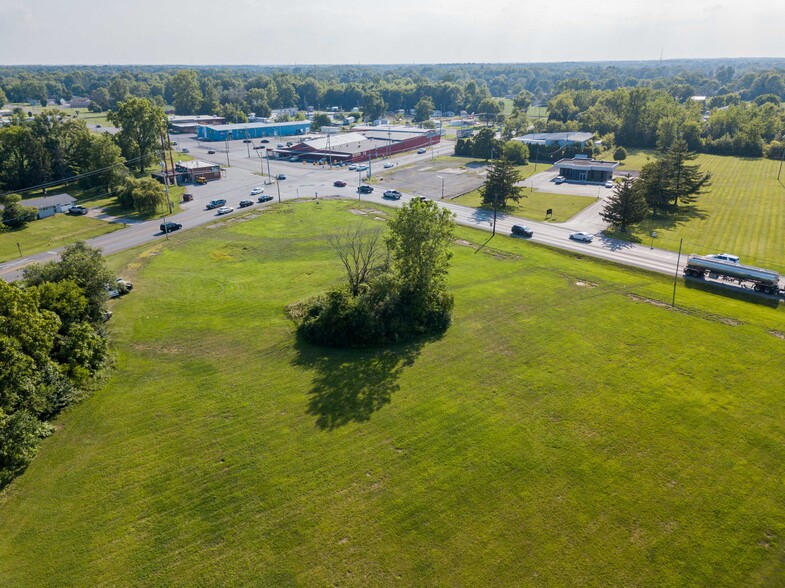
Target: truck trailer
{"points": [[763, 280]]}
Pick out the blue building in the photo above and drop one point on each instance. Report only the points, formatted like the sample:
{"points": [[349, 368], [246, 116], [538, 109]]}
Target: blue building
{"points": [[252, 130]]}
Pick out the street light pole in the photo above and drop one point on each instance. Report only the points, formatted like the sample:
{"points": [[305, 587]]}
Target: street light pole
{"points": [[442, 179]]}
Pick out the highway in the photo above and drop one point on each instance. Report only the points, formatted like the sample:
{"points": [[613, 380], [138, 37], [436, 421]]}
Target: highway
{"points": [[310, 181]]}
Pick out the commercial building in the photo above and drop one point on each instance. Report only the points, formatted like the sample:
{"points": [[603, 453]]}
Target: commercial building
{"points": [[186, 124], [572, 139], [583, 169], [363, 143], [251, 130]]}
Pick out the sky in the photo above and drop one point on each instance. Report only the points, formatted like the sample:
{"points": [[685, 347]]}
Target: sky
{"points": [[211, 32]]}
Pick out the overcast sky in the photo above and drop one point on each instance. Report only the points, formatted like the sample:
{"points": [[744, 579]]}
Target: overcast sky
{"points": [[395, 31]]}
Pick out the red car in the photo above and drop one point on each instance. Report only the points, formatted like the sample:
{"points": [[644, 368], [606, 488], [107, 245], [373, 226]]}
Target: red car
{"points": [[339, 183]]}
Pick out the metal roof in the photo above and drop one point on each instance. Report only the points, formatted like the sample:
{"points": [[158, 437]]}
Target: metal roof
{"points": [[44, 201], [241, 126], [585, 163], [542, 138]]}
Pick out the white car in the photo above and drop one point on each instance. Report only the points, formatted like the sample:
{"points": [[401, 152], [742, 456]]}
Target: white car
{"points": [[560, 179], [353, 167], [388, 165], [225, 210], [361, 167], [729, 257], [256, 191], [585, 237], [609, 184]]}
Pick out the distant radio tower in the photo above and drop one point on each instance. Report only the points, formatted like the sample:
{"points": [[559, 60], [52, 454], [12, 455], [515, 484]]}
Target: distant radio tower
{"points": [[661, 51]]}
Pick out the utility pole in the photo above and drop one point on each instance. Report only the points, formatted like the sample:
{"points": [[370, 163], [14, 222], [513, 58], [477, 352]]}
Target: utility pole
{"points": [[165, 169], [267, 155], [676, 275], [278, 185], [442, 179], [226, 146]]}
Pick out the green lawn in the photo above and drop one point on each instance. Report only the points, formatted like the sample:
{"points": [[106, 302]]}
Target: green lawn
{"points": [[535, 205], [559, 434], [51, 232], [743, 213], [636, 159]]}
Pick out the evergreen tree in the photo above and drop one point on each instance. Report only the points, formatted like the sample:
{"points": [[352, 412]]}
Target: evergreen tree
{"points": [[500, 184], [686, 181], [625, 206]]}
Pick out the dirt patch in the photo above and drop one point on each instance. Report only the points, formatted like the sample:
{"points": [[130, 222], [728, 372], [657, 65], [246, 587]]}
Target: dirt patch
{"points": [[585, 284], [704, 315], [777, 334], [464, 243], [366, 212]]}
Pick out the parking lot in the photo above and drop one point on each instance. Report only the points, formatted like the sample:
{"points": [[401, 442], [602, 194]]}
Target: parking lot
{"points": [[426, 178], [544, 182]]}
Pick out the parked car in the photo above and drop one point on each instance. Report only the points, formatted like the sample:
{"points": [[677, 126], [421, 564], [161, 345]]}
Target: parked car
{"points": [[339, 183], [362, 167], [245, 203], [225, 210], [264, 141], [585, 237], [392, 195], [422, 150], [294, 158], [281, 177], [560, 179], [365, 189], [170, 226], [211, 152], [77, 210], [259, 146], [353, 167], [123, 286], [388, 165], [216, 203], [265, 198], [609, 184], [522, 231], [201, 180], [186, 150], [256, 191], [97, 126]]}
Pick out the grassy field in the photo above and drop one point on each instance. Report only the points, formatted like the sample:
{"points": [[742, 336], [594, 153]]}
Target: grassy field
{"points": [[569, 430], [636, 159], [743, 213], [535, 205], [51, 232]]}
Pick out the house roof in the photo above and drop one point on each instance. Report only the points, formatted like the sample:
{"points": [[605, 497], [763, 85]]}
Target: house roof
{"points": [[44, 201], [196, 164], [542, 138], [588, 164]]}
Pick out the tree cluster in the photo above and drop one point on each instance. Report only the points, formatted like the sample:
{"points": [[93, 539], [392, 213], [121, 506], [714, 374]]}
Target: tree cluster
{"points": [[396, 288], [52, 344]]}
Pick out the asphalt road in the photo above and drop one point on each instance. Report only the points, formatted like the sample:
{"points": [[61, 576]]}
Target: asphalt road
{"points": [[309, 181]]}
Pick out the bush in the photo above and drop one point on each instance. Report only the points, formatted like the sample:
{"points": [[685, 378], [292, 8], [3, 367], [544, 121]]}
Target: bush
{"points": [[620, 154]]}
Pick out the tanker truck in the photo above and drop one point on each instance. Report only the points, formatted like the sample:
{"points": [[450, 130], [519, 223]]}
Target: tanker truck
{"points": [[762, 280]]}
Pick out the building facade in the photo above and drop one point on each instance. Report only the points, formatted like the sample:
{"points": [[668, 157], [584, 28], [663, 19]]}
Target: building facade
{"points": [[251, 130]]}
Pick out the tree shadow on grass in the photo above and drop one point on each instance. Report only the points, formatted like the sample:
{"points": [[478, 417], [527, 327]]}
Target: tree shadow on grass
{"points": [[349, 385]]}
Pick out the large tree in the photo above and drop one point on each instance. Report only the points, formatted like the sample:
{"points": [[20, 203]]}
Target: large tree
{"points": [[16, 215], [141, 124], [500, 186], [187, 94], [625, 206], [423, 109], [361, 252], [686, 181], [485, 145]]}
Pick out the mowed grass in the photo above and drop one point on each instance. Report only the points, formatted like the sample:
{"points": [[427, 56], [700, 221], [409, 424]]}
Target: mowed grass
{"points": [[568, 430], [535, 205], [54, 231], [742, 213]]}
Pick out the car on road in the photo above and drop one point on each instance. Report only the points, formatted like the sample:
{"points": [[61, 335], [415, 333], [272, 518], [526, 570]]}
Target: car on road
{"points": [[97, 126], [560, 179], [245, 203], [280, 177], [362, 167], [421, 151], [174, 143], [609, 184], [392, 195], [729, 257], [186, 150], [388, 165], [581, 236], [259, 147], [246, 140], [77, 210], [353, 167], [365, 189], [170, 226], [421, 198], [256, 191], [264, 141], [216, 203], [211, 152], [265, 198], [339, 183], [522, 231], [225, 210]]}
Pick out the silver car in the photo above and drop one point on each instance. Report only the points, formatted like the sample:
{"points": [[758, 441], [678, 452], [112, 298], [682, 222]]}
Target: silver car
{"points": [[585, 237]]}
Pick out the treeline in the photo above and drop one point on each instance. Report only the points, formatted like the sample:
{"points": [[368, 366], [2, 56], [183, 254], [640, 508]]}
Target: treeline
{"points": [[654, 118], [52, 345]]}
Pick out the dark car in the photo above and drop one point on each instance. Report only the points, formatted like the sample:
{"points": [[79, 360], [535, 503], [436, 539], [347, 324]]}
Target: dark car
{"points": [[339, 183], [169, 226], [522, 231], [281, 176], [265, 141], [245, 203], [211, 152], [259, 147], [77, 209], [265, 198], [365, 189], [246, 140], [216, 204], [421, 150]]}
